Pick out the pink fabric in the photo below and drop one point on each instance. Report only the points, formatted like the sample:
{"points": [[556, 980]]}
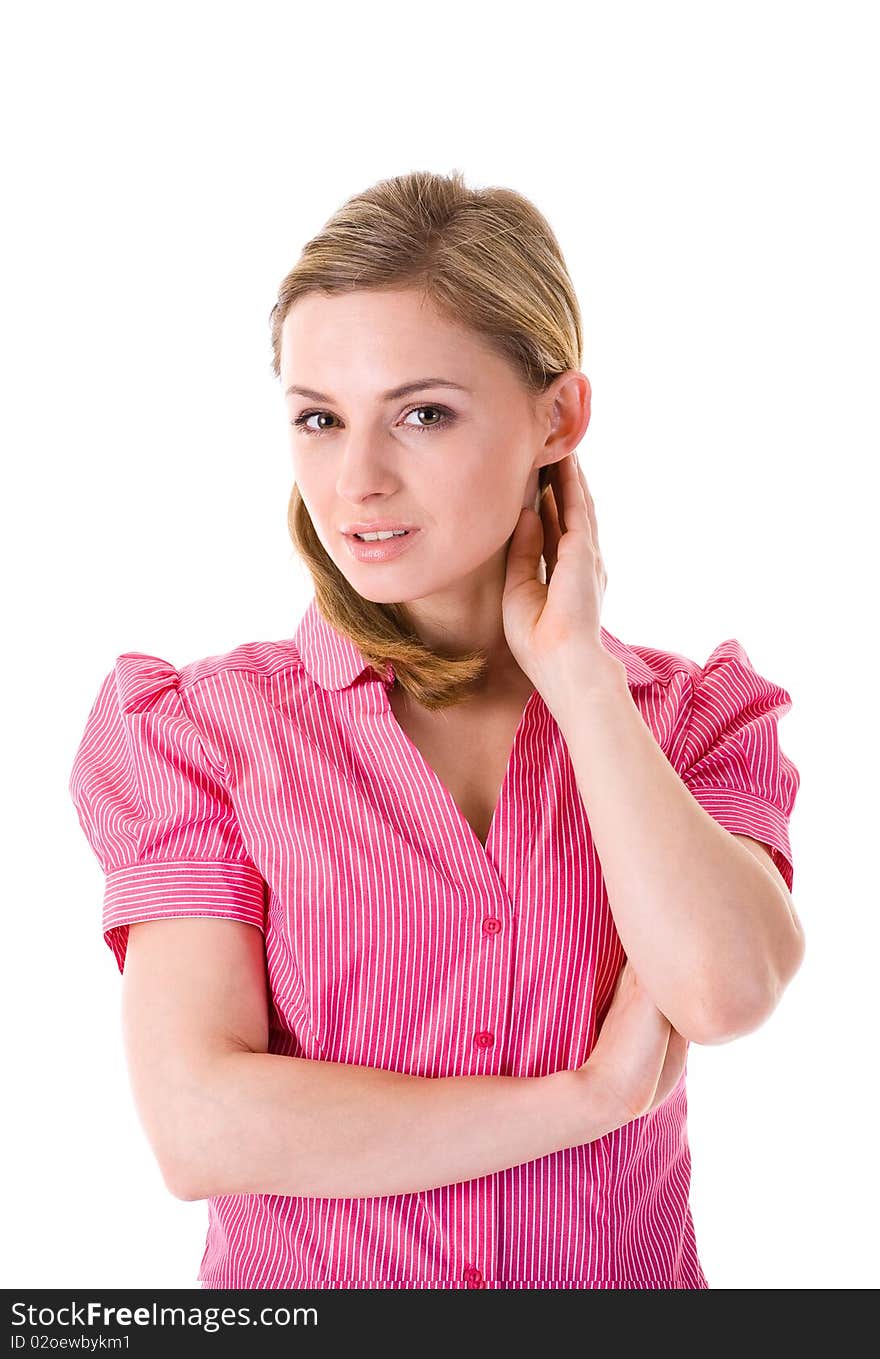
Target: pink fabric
{"points": [[273, 785]]}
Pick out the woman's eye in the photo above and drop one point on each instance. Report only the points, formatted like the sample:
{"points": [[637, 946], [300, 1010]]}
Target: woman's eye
{"points": [[446, 418], [307, 415], [434, 424]]}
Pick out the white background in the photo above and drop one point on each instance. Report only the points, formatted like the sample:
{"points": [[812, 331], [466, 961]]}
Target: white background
{"points": [[710, 171]]}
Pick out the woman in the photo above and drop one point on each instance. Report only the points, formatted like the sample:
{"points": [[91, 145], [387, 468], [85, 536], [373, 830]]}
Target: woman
{"points": [[418, 910]]}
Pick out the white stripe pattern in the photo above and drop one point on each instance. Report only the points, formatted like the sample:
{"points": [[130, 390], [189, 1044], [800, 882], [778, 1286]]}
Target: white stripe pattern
{"points": [[273, 785]]}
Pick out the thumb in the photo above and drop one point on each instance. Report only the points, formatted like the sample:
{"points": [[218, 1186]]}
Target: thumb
{"points": [[524, 549]]}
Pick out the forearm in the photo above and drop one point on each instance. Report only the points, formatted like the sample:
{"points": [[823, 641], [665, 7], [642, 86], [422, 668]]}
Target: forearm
{"points": [[262, 1123], [707, 929]]}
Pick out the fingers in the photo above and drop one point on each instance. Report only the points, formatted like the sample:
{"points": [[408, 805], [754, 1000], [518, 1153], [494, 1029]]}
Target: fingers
{"points": [[569, 488], [626, 970], [673, 1066], [573, 505], [523, 552], [552, 528]]}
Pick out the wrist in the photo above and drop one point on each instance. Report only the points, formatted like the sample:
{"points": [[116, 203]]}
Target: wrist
{"points": [[587, 1106], [585, 679]]}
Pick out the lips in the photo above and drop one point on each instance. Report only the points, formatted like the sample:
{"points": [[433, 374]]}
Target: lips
{"points": [[379, 549], [396, 533], [377, 526]]}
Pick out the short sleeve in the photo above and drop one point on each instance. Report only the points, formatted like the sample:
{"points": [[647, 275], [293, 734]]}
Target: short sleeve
{"points": [[732, 760], [154, 808]]}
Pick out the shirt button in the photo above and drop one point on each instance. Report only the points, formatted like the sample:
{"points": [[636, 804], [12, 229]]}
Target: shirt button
{"points": [[484, 1039], [491, 925], [474, 1277]]}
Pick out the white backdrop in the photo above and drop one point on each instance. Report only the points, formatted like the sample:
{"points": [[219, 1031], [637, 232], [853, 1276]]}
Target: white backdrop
{"points": [[710, 171]]}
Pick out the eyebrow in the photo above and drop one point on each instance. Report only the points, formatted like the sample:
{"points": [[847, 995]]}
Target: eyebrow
{"points": [[418, 385]]}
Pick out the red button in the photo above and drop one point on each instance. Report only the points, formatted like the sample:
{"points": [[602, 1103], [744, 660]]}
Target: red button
{"points": [[484, 1039], [491, 925], [474, 1277]]}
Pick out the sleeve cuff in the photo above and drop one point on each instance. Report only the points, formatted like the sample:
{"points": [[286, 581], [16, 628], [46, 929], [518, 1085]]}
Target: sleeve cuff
{"points": [[745, 814], [226, 889]]}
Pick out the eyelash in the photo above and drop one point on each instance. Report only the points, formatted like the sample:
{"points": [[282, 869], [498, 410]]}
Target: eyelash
{"points": [[448, 418]]}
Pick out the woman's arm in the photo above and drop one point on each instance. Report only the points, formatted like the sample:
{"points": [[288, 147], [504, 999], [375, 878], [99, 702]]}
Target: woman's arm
{"points": [[226, 1116], [283, 1125], [712, 934], [261, 1123]]}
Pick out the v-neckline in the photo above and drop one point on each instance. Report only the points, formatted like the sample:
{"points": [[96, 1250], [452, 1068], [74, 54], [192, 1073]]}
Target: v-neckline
{"points": [[453, 812]]}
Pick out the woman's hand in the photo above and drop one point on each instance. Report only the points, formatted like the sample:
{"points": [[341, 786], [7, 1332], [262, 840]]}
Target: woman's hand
{"points": [[549, 627], [638, 1057]]}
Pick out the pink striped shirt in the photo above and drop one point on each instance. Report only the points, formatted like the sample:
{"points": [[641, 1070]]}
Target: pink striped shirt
{"points": [[273, 785]]}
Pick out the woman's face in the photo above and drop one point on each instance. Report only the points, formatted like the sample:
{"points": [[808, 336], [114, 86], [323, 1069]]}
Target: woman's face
{"points": [[456, 463]]}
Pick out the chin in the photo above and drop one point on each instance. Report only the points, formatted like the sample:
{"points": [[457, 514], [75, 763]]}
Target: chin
{"points": [[389, 593], [389, 596]]}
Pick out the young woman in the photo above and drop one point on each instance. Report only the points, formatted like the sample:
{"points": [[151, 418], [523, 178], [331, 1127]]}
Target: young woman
{"points": [[418, 910]]}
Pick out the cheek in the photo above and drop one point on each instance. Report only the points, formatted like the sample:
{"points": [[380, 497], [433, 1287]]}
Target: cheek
{"points": [[483, 503], [316, 505], [315, 497], [473, 533]]}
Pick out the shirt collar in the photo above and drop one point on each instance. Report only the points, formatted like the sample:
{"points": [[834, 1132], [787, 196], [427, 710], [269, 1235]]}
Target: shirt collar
{"points": [[334, 662], [330, 658]]}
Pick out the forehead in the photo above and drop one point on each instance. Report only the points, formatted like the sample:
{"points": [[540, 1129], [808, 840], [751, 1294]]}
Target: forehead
{"points": [[373, 339]]}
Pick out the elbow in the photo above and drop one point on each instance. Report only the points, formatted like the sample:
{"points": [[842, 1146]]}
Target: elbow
{"points": [[719, 1029], [173, 1152], [739, 1017], [190, 1187], [190, 1197], [187, 1195], [185, 1156], [173, 1166], [196, 1175], [716, 1025], [198, 1158], [715, 1016], [181, 1184]]}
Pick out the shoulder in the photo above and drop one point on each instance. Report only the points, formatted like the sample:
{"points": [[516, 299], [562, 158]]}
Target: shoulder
{"points": [[647, 664], [222, 701], [256, 661], [687, 702], [139, 682]]}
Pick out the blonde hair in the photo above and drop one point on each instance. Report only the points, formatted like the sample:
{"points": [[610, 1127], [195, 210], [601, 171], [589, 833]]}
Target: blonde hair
{"points": [[486, 259]]}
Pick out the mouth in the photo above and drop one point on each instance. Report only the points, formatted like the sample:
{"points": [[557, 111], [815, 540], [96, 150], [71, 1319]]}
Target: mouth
{"points": [[366, 528], [380, 545], [381, 536]]}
